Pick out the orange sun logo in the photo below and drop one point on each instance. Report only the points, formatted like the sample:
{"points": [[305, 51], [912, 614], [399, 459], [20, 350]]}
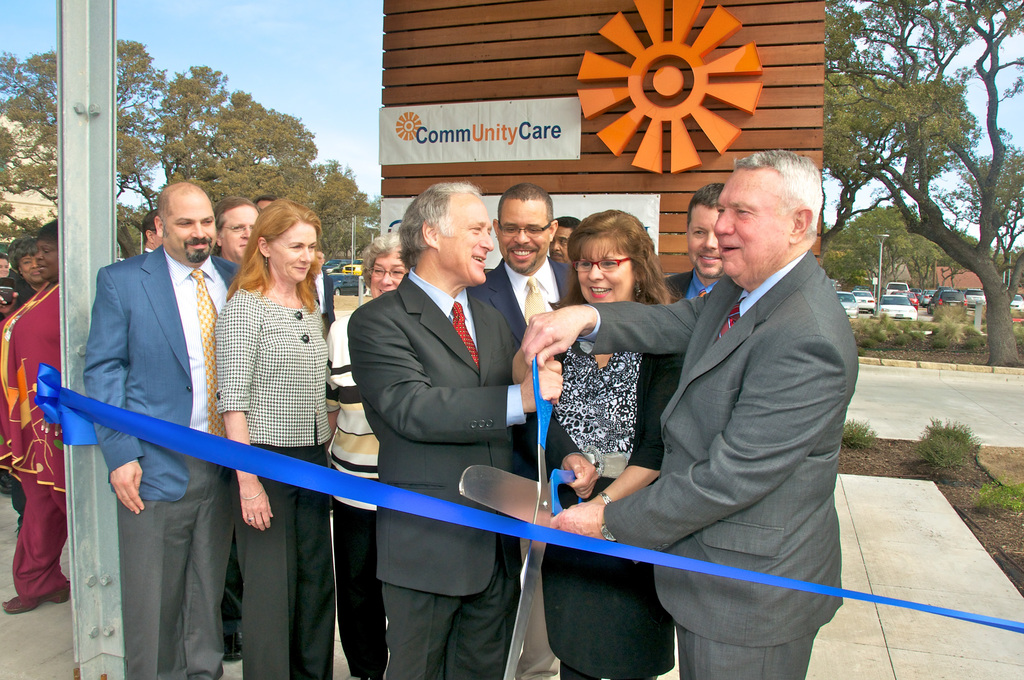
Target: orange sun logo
{"points": [[407, 125], [681, 81]]}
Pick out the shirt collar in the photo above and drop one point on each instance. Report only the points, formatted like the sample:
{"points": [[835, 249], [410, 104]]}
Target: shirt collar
{"points": [[440, 298], [544, 275], [180, 272], [747, 300]]}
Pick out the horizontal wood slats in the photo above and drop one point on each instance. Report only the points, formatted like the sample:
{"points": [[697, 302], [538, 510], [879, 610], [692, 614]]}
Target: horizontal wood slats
{"points": [[442, 51]]}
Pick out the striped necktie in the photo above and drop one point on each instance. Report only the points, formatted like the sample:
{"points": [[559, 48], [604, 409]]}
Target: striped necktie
{"points": [[459, 321], [207, 325], [734, 316]]}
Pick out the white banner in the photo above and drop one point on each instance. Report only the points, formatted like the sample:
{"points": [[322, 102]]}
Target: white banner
{"points": [[645, 207], [519, 130]]}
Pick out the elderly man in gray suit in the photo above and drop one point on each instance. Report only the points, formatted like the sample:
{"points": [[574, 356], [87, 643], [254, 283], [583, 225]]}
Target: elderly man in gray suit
{"points": [[752, 433], [434, 367]]}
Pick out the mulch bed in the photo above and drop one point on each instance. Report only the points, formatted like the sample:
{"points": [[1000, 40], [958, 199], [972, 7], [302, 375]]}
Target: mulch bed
{"points": [[999, 530], [920, 350]]}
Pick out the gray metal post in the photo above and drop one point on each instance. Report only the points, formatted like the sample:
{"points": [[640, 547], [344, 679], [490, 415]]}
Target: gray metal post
{"points": [[86, 138]]}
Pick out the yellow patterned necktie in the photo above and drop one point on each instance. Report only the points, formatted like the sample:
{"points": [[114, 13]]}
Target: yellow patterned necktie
{"points": [[207, 324], [534, 299]]}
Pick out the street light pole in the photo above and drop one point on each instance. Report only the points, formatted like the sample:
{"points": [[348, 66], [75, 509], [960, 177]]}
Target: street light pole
{"points": [[878, 296]]}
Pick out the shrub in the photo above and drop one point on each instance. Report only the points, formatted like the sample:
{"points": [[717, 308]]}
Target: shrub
{"points": [[947, 445], [902, 340], [857, 434], [1000, 495], [951, 313], [939, 342], [974, 342]]}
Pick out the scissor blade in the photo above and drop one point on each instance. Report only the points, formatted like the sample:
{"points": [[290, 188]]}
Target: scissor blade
{"points": [[534, 557], [505, 492]]}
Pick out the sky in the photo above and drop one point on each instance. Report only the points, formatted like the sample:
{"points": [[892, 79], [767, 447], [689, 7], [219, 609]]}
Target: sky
{"points": [[317, 60]]}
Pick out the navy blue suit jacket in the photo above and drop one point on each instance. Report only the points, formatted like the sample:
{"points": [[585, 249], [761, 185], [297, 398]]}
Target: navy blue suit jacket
{"points": [[136, 358], [497, 292]]}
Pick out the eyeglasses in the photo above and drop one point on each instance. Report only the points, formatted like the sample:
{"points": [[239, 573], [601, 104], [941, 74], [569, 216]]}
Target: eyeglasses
{"points": [[239, 228], [395, 274], [509, 230], [603, 265]]}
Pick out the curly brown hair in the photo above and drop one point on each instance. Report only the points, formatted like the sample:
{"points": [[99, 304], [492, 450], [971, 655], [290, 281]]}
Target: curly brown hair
{"points": [[620, 231]]}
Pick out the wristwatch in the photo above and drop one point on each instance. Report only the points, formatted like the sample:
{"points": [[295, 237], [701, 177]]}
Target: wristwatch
{"points": [[607, 534]]}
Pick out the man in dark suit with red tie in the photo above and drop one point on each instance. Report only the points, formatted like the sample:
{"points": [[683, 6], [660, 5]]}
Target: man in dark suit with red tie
{"points": [[434, 368]]}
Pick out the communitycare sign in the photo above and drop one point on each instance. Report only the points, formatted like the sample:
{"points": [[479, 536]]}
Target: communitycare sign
{"points": [[520, 130]]}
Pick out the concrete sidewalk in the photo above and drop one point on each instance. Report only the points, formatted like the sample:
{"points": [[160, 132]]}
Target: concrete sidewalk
{"points": [[900, 539]]}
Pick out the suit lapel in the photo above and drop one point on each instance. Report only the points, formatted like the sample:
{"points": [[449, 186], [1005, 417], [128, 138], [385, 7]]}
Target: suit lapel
{"points": [[711, 350], [156, 281], [504, 300], [433, 319]]}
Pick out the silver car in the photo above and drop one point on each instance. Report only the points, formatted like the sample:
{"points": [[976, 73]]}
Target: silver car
{"points": [[850, 304]]}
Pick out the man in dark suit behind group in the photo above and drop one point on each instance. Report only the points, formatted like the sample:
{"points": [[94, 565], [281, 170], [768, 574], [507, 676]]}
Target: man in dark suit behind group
{"points": [[701, 245], [751, 435], [145, 353], [525, 227], [434, 367]]}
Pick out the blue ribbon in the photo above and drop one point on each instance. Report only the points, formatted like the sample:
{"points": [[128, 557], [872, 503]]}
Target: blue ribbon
{"points": [[74, 411]]}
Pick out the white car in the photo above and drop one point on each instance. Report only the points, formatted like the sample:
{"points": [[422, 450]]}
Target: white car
{"points": [[896, 288], [898, 307], [850, 304], [1017, 304], [865, 301], [974, 296]]}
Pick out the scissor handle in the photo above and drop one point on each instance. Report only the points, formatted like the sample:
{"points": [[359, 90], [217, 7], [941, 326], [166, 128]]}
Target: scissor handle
{"points": [[559, 477], [543, 408]]}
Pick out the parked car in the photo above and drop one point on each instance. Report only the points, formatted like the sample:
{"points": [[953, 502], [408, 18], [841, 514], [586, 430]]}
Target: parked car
{"points": [[353, 269], [865, 300], [897, 307], [926, 296], [914, 300], [850, 304], [864, 288], [947, 296], [897, 287], [1017, 303], [974, 296]]}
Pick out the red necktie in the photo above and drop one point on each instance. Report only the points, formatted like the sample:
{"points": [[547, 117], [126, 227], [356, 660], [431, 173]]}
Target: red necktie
{"points": [[459, 320], [734, 315]]}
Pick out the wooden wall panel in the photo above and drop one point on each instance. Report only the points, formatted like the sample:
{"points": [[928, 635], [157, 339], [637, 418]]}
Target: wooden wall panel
{"points": [[442, 51]]}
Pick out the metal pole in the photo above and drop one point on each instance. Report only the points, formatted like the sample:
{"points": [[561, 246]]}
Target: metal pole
{"points": [[878, 296], [86, 121]]}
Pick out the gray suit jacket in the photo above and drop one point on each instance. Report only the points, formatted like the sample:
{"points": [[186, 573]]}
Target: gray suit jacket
{"points": [[752, 439], [136, 359], [434, 413]]}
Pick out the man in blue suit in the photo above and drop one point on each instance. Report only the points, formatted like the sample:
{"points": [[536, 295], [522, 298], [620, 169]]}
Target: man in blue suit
{"points": [[525, 228], [146, 353]]}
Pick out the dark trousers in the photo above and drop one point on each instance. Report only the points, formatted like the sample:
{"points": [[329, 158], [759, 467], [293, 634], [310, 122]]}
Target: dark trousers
{"points": [[231, 605], [361, 619], [288, 602], [441, 637], [569, 673], [704, 659], [173, 556]]}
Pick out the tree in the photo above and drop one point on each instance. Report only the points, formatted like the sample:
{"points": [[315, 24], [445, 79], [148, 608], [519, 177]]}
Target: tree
{"points": [[853, 257], [907, 114], [190, 127], [339, 204], [28, 137]]}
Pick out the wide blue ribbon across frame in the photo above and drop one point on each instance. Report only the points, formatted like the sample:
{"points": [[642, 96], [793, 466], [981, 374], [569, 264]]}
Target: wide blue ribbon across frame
{"points": [[77, 413]]}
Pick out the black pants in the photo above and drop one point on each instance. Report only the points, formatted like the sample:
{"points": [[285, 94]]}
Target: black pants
{"points": [[361, 619], [288, 602]]}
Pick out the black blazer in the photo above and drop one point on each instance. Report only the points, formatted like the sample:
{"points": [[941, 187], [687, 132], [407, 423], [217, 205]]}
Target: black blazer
{"points": [[603, 614], [497, 292], [434, 413]]}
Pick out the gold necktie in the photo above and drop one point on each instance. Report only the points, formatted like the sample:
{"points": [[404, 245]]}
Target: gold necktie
{"points": [[534, 299], [207, 324]]}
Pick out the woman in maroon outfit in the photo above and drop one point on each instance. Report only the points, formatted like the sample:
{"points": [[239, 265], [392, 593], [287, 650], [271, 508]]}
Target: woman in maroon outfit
{"points": [[31, 447]]}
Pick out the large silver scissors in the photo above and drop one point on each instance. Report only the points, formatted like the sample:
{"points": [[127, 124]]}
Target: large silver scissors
{"points": [[523, 499]]}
